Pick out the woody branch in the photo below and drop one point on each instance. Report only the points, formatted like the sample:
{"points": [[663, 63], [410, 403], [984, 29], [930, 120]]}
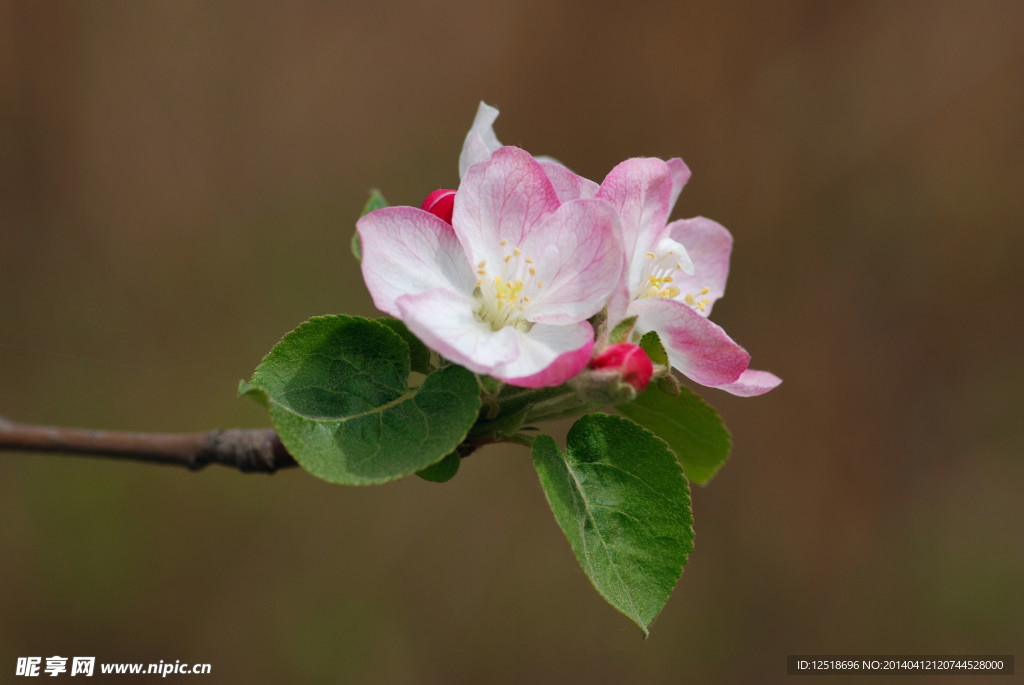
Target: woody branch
{"points": [[250, 450], [253, 450]]}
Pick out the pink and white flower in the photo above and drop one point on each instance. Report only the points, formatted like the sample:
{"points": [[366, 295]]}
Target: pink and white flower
{"points": [[673, 273], [506, 289]]}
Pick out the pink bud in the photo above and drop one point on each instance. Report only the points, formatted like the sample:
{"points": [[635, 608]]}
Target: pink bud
{"points": [[440, 203], [628, 360]]}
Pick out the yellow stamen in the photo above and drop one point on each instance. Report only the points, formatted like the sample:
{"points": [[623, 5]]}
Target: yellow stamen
{"points": [[482, 264], [689, 299], [650, 255], [540, 284], [529, 260], [533, 271], [516, 251], [670, 291], [503, 243], [705, 290]]}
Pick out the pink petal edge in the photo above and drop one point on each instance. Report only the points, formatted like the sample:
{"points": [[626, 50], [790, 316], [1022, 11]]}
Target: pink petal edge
{"points": [[751, 383], [565, 366], [697, 348]]}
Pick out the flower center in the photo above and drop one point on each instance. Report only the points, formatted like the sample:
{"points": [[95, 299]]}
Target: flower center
{"points": [[506, 290], [659, 273], [702, 303]]}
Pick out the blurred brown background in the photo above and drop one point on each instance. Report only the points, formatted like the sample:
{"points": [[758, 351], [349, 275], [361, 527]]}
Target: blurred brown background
{"points": [[178, 184]]}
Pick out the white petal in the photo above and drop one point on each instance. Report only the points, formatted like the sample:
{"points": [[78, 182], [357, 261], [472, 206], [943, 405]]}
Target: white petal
{"points": [[548, 355], [408, 251], [445, 322], [480, 141]]}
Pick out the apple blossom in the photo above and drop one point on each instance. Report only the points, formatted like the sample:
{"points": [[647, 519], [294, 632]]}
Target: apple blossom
{"points": [[508, 292], [673, 274]]}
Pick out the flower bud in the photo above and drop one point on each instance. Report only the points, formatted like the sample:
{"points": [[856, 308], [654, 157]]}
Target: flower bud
{"points": [[628, 360], [440, 203]]}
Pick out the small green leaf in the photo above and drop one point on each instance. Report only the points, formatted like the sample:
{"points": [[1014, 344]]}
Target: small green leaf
{"points": [[443, 470], [622, 330], [257, 395], [419, 354], [651, 344], [621, 499], [490, 385], [376, 201], [336, 387], [498, 427], [691, 427], [357, 248], [669, 385]]}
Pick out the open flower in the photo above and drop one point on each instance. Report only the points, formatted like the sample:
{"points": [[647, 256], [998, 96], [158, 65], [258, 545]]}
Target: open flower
{"points": [[508, 292], [673, 274]]}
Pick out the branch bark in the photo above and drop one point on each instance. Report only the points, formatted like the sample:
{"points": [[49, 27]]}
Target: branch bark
{"points": [[251, 450]]}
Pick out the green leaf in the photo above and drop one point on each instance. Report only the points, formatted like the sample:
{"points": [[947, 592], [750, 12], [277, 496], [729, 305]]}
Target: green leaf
{"points": [[691, 427], [419, 354], [669, 385], [443, 470], [621, 499], [651, 344], [622, 330], [499, 427], [336, 387], [376, 201]]}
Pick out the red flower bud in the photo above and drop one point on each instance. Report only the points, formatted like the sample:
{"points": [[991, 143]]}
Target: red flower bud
{"points": [[628, 360], [440, 203]]}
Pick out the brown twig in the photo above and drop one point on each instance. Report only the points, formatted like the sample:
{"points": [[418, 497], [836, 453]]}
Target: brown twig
{"points": [[252, 450]]}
